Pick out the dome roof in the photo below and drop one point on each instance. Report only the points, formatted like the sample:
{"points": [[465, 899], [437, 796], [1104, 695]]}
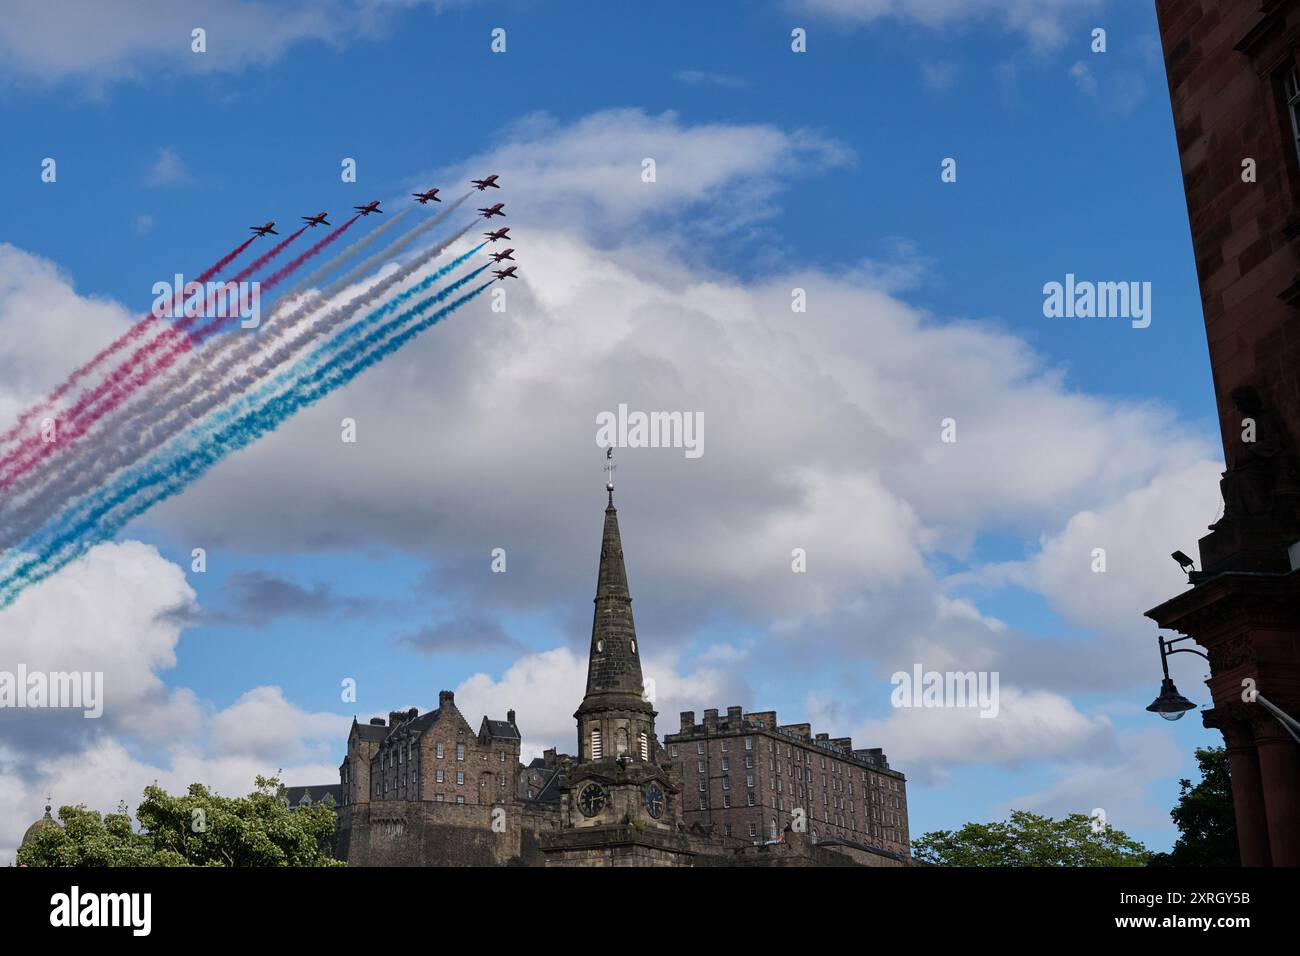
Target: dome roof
{"points": [[43, 823]]}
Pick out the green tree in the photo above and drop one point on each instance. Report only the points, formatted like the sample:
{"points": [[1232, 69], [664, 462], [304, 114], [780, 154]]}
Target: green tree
{"points": [[200, 828], [1204, 817], [1027, 839]]}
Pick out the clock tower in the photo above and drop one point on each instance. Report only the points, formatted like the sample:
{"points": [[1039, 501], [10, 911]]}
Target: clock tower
{"points": [[619, 803]]}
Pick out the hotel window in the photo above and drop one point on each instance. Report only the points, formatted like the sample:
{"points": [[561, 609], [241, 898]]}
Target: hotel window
{"points": [[726, 801], [460, 798], [701, 766], [726, 763], [439, 752], [645, 747], [674, 750], [441, 776], [438, 798], [749, 761], [726, 828], [749, 743], [726, 783], [749, 798], [753, 828], [460, 751], [699, 748], [703, 784], [724, 745], [596, 750], [460, 778], [749, 780], [704, 803]]}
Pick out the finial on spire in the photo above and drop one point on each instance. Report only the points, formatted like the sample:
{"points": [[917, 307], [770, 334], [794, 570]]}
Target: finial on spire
{"points": [[609, 467]]}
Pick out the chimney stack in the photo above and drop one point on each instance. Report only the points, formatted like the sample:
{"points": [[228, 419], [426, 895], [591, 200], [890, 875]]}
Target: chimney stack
{"points": [[446, 698], [688, 721]]}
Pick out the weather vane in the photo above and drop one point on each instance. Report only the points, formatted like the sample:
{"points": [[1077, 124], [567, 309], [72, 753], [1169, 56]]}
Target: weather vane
{"points": [[609, 467]]}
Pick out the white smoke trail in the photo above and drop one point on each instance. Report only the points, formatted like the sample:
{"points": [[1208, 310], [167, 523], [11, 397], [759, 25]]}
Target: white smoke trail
{"points": [[153, 424]]}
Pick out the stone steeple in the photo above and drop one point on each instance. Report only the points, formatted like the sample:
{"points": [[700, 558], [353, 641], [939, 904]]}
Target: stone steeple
{"points": [[614, 662]]}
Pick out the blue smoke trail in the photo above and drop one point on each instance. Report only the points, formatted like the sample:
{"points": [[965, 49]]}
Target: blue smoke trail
{"points": [[166, 479]]}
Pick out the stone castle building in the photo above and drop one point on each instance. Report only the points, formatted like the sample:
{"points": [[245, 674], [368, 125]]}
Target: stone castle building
{"points": [[427, 789]]}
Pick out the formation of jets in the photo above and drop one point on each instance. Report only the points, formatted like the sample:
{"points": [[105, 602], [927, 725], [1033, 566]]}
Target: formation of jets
{"points": [[428, 195]]}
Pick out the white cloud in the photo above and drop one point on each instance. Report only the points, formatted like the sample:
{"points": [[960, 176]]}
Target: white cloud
{"points": [[1030, 727], [1043, 22], [168, 169], [111, 612]]}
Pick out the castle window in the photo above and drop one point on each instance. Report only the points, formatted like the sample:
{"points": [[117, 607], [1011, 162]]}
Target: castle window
{"points": [[596, 750], [460, 751], [674, 750], [726, 829], [724, 744], [460, 798], [726, 763], [645, 747], [749, 761], [460, 778], [704, 803], [620, 741], [753, 828], [749, 799], [703, 784], [442, 776], [749, 779], [726, 801], [438, 798], [699, 748], [701, 766], [749, 743], [726, 783], [439, 749]]}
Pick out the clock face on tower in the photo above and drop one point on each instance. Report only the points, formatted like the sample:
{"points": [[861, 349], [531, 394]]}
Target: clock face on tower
{"points": [[592, 799], [654, 801]]}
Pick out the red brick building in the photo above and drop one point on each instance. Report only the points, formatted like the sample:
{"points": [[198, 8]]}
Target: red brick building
{"points": [[1234, 85]]}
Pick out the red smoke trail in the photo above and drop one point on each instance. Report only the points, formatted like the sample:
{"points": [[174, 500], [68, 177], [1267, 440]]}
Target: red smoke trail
{"points": [[119, 386], [23, 458], [126, 338], [289, 268]]}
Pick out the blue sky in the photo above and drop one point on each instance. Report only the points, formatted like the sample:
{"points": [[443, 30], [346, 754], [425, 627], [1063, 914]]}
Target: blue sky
{"points": [[1066, 163]]}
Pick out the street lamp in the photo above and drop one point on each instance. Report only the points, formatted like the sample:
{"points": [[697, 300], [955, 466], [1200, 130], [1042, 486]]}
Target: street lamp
{"points": [[1170, 704]]}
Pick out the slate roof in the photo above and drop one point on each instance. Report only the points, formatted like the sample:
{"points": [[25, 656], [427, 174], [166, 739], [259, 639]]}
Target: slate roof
{"points": [[314, 794]]}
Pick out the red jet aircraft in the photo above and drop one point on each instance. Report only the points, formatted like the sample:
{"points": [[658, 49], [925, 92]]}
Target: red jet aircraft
{"points": [[507, 273], [316, 220], [263, 230], [493, 210], [368, 208], [482, 184], [499, 256], [502, 233], [425, 196]]}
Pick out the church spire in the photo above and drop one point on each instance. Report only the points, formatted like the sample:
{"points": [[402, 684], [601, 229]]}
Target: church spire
{"points": [[614, 665]]}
